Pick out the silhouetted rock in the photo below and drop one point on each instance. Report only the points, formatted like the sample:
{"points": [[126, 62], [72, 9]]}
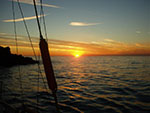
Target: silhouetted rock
{"points": [[8, 59]]}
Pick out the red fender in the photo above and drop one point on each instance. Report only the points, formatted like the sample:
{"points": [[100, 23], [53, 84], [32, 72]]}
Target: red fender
{"points": [[48, 65]]}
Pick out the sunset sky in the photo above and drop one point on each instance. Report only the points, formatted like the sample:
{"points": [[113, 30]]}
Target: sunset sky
{"points": [[84, 27]]}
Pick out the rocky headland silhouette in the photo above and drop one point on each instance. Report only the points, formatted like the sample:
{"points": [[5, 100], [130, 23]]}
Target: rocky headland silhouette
{"points": [[8, 59]]}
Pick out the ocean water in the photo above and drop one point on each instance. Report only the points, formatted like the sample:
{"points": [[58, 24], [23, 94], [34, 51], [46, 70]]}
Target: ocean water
{"points": [[100, 84]]}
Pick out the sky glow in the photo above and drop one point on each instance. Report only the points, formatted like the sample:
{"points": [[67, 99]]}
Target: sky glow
{"points": [[91, 27]]}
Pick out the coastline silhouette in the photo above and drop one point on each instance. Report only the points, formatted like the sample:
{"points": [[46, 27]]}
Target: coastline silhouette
{"points": [[8, 59]]}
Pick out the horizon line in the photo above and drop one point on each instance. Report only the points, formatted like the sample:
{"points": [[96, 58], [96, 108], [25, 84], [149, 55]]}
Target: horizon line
{"points": [[97, 55]]}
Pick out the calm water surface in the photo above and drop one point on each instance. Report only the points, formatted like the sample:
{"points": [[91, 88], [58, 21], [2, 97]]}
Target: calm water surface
{"points": [[102, 84]]}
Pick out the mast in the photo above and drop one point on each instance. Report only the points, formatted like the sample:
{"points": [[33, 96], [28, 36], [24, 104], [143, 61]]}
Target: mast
{"points": [[47, 61]]}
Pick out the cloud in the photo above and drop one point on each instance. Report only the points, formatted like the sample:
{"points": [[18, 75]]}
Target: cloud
{"points": [[108, 40], [61, 47], [138, 32], [21, 19], [37, 3], [82, 24]]}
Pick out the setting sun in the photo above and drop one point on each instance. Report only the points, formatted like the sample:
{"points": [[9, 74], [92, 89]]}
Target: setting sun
{"points": [[77, 54]]}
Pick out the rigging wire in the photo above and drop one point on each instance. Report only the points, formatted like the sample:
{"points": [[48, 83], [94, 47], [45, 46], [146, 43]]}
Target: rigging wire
{"points": [[39, 71], [44, 23], [27, 31], [41, 37], [18, 1], [45, 57], [17, 52], [26, 28]]}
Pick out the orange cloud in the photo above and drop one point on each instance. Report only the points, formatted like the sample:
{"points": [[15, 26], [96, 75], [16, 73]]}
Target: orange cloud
{"points": [[60, 47]]}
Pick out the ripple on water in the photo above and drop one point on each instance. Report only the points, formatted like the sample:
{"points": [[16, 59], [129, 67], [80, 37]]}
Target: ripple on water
{"points": [[85, 85]]}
